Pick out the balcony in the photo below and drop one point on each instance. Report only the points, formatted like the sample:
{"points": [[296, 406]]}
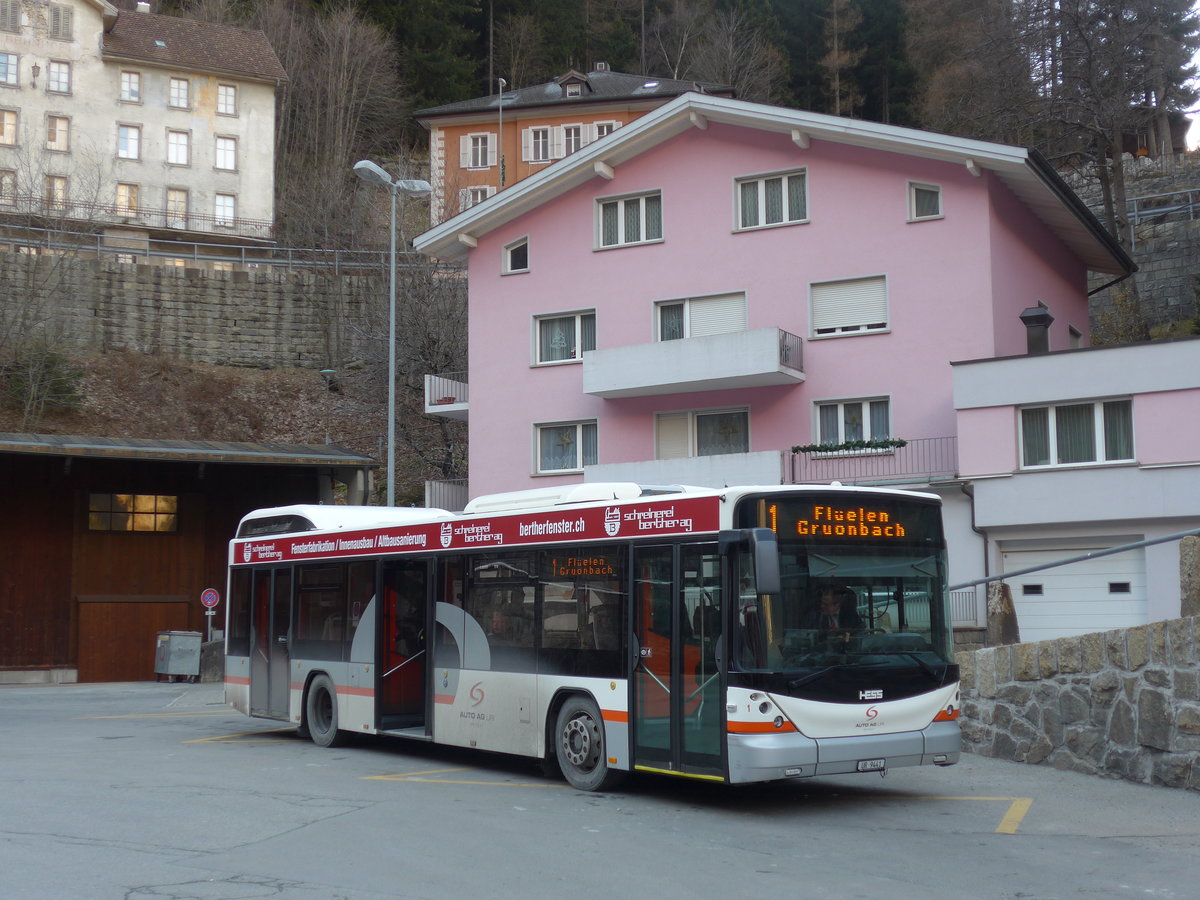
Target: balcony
{"points": [[917, 462], [41, 209], [763, 467], [741, 359], [446, 395], [449, 494]]}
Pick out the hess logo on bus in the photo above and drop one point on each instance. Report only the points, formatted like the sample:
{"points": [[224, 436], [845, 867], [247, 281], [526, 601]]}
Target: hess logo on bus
{"points": [[876, 694]]}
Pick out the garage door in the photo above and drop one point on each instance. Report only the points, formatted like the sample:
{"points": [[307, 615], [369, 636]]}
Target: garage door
{"points": [[1078, 598]]}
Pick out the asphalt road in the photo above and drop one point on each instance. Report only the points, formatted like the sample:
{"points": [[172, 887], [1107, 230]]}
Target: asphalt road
{"points": [[152, 790]]}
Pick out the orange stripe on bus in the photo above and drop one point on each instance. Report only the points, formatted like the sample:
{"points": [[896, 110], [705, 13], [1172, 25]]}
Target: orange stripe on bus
{"points": [[236, 679], [443, 698], [357, 692], [758, 727], [614, 715]]}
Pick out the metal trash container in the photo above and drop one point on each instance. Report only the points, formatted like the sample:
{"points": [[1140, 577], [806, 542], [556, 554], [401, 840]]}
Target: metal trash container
{"points": [[177, 654]]}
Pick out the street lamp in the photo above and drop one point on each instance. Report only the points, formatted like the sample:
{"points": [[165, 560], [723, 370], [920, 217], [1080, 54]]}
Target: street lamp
{"points": [[373, 174]]}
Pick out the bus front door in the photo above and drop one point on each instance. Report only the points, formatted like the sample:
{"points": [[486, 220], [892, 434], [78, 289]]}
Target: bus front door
{"points": [[677, 689], [403, 662], [270, 662]]}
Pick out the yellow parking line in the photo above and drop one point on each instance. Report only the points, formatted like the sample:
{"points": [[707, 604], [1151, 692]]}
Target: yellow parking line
{"points": [[1018, 807], [421, 777]]}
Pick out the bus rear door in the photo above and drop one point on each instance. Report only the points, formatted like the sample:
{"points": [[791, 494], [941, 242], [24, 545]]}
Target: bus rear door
{"points": [[677, 688]]}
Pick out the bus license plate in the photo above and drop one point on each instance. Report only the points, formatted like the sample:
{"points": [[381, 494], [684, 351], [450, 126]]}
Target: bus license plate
{"points": [[872, 765]]}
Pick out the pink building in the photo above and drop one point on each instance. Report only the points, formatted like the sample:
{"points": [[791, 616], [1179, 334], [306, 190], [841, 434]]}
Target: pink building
{"points": [[718, 282]]}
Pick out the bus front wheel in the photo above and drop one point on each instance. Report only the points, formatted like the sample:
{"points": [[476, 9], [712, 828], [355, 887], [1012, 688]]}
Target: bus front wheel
{"points": [[320, 713], [579, 746]]}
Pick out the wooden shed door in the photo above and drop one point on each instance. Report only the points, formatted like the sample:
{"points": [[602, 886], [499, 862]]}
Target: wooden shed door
{"points": [[118, 635]]}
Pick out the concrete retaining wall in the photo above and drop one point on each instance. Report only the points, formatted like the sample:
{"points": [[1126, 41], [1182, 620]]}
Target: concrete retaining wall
{"points": [[1123, 703]]}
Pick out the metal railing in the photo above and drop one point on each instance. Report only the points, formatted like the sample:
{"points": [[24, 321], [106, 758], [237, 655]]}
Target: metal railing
{"points": [[133, 215], [920, 460], [446, 389]]}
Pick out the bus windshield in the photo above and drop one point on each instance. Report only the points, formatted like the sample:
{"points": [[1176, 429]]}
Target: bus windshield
{"points": [[862, 586]]}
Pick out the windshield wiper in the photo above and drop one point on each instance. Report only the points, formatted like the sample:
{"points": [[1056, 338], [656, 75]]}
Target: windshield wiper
{"points": [[925, 667], [812, 676]]}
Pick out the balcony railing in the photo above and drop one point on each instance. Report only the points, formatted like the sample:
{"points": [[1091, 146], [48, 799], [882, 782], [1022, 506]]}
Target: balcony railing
{"points": [[450, 494], [135, 216], [447, 395], [918, 461]]}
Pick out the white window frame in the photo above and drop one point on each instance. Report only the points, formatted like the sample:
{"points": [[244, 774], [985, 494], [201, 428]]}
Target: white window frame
{"points": [[474, 195], [225, 153], [10, 68], [714, 314], [788, 215], [178, 141], [9, 122], [536, 144], [477, 150], [867, 431], [510, 265], [621, 203], [578, 317], [1099, 437], [605, 128], [227, 100], [131, 87], [849, 306], [177, 216], [129, 142], [58, 76], [224, 200], [915, 188], [57, 190], [573, 138], [690, 420], [580, 460], [179, 93], [58, 134]]}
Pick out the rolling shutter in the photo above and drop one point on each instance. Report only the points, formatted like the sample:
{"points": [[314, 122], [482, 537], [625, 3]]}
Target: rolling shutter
{"points": [[850, 305]]}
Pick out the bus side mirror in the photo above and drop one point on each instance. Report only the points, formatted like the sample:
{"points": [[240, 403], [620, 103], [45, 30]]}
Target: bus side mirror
{"points": [[765, 551]]}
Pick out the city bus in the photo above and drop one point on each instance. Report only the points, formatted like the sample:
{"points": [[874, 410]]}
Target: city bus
{"points": [[745, 634]]}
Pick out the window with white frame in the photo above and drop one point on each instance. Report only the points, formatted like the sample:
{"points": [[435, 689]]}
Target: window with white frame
{"points": [[1077, 433], [564, 337], [924, 201], [630, 220], [535, 145], [58, 77], [8, 69], [709, 432], [605, 128], [767, 200], [8, 127], [477, 151], [698, 316], [849, 306], [473, 196], [177, 208], [127, 199], [129, 141], [226, 154], [227, 100], [844, 421], [8, 187], [58, 133], [224, 209], [572, 138], [10, 15], [516, 256], [566, 447], [179, 146], [131, 87], [56, 192], [178, 91], [58, 21]]}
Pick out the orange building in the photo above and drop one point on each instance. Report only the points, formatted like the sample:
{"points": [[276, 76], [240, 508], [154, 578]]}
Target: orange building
{"points": [[479, 146]]}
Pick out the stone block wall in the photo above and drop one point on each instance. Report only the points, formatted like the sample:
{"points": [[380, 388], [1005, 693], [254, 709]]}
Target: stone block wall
{"points": [[1123, 703], [246, 318]]}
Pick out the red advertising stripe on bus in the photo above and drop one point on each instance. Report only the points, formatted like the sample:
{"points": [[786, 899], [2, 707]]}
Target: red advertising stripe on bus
{"points": [[758, 727], [618, 716], [683, 515]]}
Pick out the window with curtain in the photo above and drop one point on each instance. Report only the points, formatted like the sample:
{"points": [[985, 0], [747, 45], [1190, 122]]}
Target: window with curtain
{"points": [[631, 220], [1077, 433], [699, 316], [773, 200], [709, 432], [566, 447], [853, 420], [564, 338]]}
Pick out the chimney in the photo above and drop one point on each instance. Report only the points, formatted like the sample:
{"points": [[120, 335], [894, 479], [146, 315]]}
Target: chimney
{"points": [[1037, 320]]}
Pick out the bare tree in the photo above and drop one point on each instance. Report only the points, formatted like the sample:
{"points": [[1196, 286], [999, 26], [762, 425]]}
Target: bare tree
{"points": [[738, 53], [843, 17], [519, 57]]}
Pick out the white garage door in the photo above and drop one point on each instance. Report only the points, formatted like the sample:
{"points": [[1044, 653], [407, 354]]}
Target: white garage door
{"points": [[1092, 595]]}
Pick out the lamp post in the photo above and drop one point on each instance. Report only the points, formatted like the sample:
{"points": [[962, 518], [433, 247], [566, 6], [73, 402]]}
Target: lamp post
{"points": [[373, 174]]}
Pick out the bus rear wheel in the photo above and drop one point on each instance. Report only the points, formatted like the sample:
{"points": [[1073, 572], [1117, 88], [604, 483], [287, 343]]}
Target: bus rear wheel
{"points": [[320, 713], [579, 746]]}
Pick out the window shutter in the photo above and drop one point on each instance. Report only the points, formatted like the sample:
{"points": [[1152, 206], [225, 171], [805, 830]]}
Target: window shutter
{"points": [[464, 151], [526, 144], [464, 199], [588, 134], [849, 305], [10, 15], [717, 315], [671, 437], [558, 142], [491, 150]]}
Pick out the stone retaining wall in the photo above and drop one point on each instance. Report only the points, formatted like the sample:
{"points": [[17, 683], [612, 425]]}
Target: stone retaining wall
{"points": [[1122, 703]]}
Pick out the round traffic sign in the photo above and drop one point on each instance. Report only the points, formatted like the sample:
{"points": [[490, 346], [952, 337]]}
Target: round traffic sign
{"points": [[210, 597]]}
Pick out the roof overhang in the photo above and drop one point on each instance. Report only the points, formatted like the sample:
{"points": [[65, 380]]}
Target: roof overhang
{"points": [[1025, 172], [221, 452]]}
